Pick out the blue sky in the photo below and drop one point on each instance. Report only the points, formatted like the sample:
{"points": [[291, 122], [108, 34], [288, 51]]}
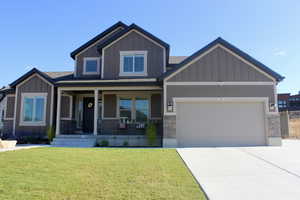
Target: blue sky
{"points": [[43, 33]]}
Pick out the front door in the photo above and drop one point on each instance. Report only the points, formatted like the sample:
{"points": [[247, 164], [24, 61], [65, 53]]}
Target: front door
{"points": [[88, 114]]}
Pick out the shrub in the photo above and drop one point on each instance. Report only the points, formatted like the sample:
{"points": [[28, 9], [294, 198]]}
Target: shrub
{"points": [[151, 134], [103, 143], [50, 133], [125, 143]]}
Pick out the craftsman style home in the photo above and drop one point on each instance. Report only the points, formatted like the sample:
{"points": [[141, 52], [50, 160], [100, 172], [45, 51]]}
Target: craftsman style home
{"points": [[125, 78]]}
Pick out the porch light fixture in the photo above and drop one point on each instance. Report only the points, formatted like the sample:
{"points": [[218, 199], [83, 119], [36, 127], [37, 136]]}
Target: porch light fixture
{"points": [[170, 106], [272, 106]]}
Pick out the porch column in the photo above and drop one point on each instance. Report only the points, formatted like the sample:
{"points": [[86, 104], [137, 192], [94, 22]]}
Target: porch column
{"points": [[96, 91], [58, 111]]}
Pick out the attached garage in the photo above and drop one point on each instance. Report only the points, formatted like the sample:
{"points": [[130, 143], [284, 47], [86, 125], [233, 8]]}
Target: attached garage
{"points": [[202, 122]]}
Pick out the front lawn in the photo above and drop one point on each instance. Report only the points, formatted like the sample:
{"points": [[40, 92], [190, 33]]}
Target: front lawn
{"points": [[74, 173]]}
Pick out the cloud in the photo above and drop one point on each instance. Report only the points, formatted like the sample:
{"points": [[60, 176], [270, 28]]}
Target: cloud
{"points": [[280, 53], [28, 68]]}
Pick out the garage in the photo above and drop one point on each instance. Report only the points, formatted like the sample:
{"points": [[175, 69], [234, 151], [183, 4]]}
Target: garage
{"points": [[202, 122]]}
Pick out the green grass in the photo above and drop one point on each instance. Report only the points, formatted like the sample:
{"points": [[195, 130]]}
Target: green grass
{"points": [[73, 173]]}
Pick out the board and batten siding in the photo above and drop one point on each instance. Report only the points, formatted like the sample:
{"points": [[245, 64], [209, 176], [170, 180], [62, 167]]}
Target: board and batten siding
{"points": [[91, 51], [34, 85], [10, 107], [156, 106], [220, 91], [110, 106], [219, 65], [133, 42]]}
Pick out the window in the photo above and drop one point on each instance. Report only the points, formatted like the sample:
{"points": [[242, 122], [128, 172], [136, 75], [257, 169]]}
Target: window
{"points": [[91, 66], [33, 109], [133, 63], [134, 108], [125, 108], [141, 109], [282, 104]]}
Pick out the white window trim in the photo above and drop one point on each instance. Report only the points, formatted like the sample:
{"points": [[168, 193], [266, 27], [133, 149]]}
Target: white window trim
{"points": [[98, 65], [70, 107], [32, 95], [133, 107], [129, 53]]}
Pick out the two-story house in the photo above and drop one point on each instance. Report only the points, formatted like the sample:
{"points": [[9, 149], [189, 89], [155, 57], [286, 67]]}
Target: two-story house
{"points": [[125, 77]]}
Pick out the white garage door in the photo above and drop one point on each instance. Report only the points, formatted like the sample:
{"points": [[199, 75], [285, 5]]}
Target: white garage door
{"points": [[220, 123]]}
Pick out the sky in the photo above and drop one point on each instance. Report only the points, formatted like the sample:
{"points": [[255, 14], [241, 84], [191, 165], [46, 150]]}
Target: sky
{"points": [[42, 33]]}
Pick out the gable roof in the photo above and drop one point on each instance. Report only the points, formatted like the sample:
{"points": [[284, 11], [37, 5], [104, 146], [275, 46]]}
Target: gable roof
{"points": [[126, 30], [97, 37], [176, 59], [234, 49], [28, 74]]}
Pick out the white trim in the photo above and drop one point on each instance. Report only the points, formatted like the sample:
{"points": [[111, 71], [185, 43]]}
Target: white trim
{"points": [[57, 130], [220, 83], [211, 49], [89, 59], [51, 106], [133, 97], [112, 81], [5, 106], [33, 123], [96, 101], [103, 49], [275, 98], [70, 107], [220, 99], [132, 53]]}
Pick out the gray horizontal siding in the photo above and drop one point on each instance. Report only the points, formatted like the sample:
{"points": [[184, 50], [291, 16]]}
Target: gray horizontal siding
{"points": [[133, 42], [219, 66]]}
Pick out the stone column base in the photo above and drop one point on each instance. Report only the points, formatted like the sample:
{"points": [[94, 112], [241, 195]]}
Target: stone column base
{"points": [[274, 141], [170, 142]]}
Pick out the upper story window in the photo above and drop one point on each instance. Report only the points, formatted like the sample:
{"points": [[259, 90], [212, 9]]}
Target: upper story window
{"points": [[91, 65], [133, 63]]}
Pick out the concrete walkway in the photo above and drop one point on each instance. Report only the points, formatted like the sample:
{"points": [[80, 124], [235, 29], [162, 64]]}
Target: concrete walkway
{"points": [[247, 172], [25, 146]]}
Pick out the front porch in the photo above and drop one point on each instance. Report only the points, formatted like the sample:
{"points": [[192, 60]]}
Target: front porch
{"points": [[116, 116]]}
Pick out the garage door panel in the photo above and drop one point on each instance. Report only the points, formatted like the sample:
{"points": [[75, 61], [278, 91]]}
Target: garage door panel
{"points": [[220, 124]]}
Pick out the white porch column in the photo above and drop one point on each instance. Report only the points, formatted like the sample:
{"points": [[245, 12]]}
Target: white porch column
{"points": [[58, 111], [96, 91]]}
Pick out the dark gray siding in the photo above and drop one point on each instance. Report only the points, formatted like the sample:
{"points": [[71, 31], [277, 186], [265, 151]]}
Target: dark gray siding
{"points": [[90, 52], [8, 128], [110, 105], [65, 108], [33, 85], [156, 105], [220, 91], [10, 107], [133, 42], [219, 66]]}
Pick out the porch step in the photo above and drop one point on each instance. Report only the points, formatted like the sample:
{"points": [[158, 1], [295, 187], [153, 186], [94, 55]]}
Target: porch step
{"points": [[74, 142]]}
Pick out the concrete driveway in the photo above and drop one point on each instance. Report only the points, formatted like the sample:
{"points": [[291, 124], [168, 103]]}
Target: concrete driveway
{"points": [[247, 172]]}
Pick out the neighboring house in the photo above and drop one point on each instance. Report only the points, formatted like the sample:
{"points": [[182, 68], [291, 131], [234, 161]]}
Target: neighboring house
{"points": [[218, 96], [289, 102]]}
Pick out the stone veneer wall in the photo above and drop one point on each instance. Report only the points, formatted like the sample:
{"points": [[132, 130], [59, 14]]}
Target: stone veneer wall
{"points": [[170, 127], [273, 121]]}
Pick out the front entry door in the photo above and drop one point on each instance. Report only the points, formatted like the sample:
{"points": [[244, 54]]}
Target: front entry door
{"points": [[88, 114]]}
